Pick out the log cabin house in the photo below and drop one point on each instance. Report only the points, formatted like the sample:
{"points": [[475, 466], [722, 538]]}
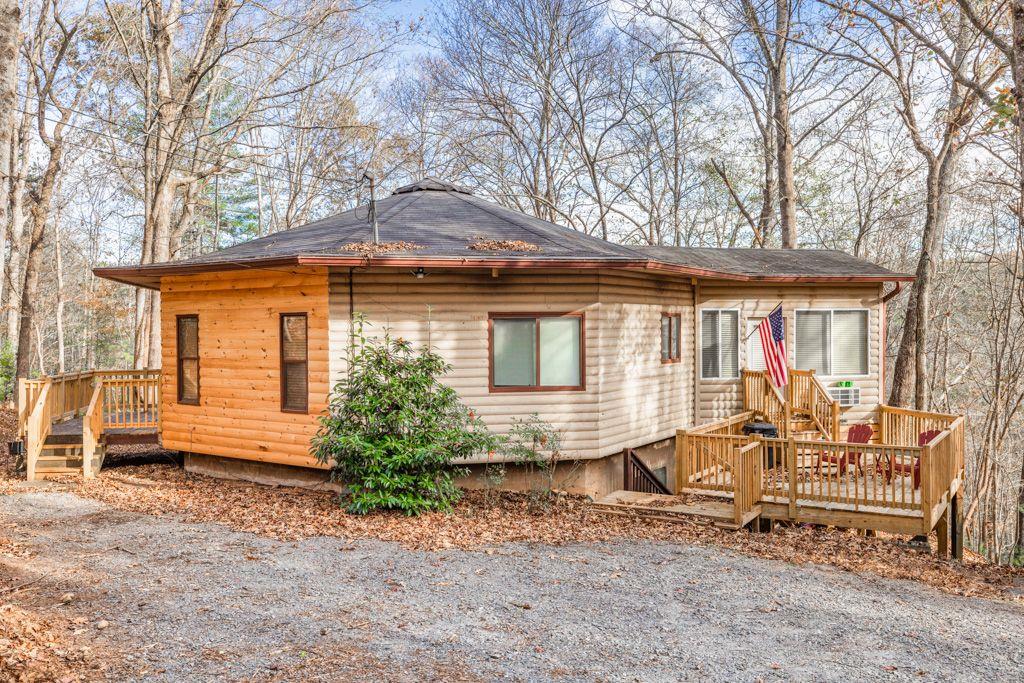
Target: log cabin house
{"points": [[622, 348]]}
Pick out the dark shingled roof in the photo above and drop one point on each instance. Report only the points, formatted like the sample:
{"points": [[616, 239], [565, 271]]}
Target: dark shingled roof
{"points": [[771, 262], [444, 220]]}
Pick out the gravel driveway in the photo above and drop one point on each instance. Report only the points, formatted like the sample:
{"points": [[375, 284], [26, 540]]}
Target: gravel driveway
{"points": [[200, 602]]}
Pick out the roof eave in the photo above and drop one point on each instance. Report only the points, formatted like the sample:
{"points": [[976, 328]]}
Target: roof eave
{"points": [[148, 276]]}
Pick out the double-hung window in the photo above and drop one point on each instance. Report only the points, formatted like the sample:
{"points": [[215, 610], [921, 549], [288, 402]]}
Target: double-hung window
{"points": [[719, 344], [670, 344], [832, 342], [536, 352], [294, 363], [188, 359]]}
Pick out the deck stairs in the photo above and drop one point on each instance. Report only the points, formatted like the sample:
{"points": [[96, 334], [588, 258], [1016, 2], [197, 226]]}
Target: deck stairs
{"points": [[62, 454], [718, 513]]}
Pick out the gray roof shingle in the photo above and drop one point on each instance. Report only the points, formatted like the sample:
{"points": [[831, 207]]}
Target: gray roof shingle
{"points": [[443, 220]]}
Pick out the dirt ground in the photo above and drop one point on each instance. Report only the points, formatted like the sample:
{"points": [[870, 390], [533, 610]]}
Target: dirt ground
{"points": [[183, 600]]}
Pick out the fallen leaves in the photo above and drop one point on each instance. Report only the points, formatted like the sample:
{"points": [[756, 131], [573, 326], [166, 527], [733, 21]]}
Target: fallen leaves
{"points": [[481, 244], [373, 249], [33, 648]]}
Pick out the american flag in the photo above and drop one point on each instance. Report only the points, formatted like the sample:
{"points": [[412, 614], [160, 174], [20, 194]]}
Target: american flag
{"points": [[773, 343]]}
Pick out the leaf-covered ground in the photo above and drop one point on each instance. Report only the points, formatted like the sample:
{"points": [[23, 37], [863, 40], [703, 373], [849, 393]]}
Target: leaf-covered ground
{"points": [[482, 521]]}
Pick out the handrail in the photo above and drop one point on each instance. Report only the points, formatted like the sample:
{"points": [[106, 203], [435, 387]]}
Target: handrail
{"points": [[37, 428], [92, 430]]}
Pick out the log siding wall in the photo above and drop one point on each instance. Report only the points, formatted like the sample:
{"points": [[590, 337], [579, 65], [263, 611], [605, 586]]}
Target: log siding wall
{"points": [[719, 398], [630, 398], [239, 413]]}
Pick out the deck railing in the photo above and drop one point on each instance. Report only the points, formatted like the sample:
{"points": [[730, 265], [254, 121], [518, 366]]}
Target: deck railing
{"points": [[809, 397], [805, 397], [761, 396], [105, 399], [885, 478], [721, 463]]}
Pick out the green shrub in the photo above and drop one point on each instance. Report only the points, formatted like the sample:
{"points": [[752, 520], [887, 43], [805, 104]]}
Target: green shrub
{"points": [[392, 429]]}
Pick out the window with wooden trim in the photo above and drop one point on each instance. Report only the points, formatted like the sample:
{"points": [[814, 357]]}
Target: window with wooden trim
{"points": [[294, 363], [536, 352], [832, 342], [188, 359], [671, 324], [719, 344]]}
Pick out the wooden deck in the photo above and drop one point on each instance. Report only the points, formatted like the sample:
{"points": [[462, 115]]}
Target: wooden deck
{"points": [[907, 480], [68, 421], [67, 430]]}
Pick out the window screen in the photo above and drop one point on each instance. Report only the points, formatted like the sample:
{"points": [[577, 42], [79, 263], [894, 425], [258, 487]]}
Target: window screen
{"points": [[834, 343], [537, 351], [294, 363], [670, 343], [813, 331], [188, 359], [720, 344], [755, 354], [850, 342]]}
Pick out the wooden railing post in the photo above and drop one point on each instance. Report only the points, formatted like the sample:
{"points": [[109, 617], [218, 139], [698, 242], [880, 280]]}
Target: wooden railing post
{"points": [[925, 483], [835, 421], [682, 465], [791, 463]]}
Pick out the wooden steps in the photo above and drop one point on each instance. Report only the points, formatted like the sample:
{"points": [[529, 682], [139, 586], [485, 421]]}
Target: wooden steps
{"points": [[60, 458], [672, 509]]}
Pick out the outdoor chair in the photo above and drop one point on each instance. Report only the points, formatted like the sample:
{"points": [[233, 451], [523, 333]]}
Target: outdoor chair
{"points": [[857, 434], [890, 468]]}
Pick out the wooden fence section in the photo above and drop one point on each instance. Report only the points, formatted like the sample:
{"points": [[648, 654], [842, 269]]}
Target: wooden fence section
{"points": [[37, 428], [942, 470], [898, 486]]}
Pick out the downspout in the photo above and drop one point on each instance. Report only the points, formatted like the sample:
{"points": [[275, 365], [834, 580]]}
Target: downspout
{"points": [[695, 418], [351, 307], [884, 324]]}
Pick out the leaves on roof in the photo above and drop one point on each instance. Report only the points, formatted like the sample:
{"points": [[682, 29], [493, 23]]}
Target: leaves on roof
{"points": [[373, 249], [481, 244]]}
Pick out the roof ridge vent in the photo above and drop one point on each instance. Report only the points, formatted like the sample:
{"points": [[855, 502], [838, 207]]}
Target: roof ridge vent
{"points": [[431, 184]]}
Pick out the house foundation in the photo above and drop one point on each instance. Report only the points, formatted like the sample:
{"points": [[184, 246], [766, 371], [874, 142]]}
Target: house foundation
{"points": [[594, 478]]}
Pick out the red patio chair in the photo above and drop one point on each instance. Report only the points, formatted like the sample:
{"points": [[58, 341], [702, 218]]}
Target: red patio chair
{"points": [[889, 468], [857, 434]]}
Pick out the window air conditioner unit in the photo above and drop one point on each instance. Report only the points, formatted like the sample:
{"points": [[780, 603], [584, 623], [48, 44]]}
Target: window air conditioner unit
{"points": [[845, 396]]}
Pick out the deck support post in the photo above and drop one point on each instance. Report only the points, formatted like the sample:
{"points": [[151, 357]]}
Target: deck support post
{"points": [[791, 463], [681, 472], [942, 531], [956, 514]]}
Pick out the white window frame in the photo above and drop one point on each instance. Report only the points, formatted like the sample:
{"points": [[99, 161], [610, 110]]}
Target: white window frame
{"points": [[739, 338], [831, 351]]}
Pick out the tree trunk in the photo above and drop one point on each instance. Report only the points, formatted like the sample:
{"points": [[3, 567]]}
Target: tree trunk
{"points": [[41, 202], [783, 134], [1017, 71], [10, 22]]}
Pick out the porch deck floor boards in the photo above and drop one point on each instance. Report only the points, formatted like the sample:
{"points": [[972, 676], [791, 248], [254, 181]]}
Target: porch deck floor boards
{"points": [[73, 426]]}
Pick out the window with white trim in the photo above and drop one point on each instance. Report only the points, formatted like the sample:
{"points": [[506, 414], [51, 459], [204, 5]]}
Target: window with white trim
{"points": [[832, 342], [719, 344]]}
